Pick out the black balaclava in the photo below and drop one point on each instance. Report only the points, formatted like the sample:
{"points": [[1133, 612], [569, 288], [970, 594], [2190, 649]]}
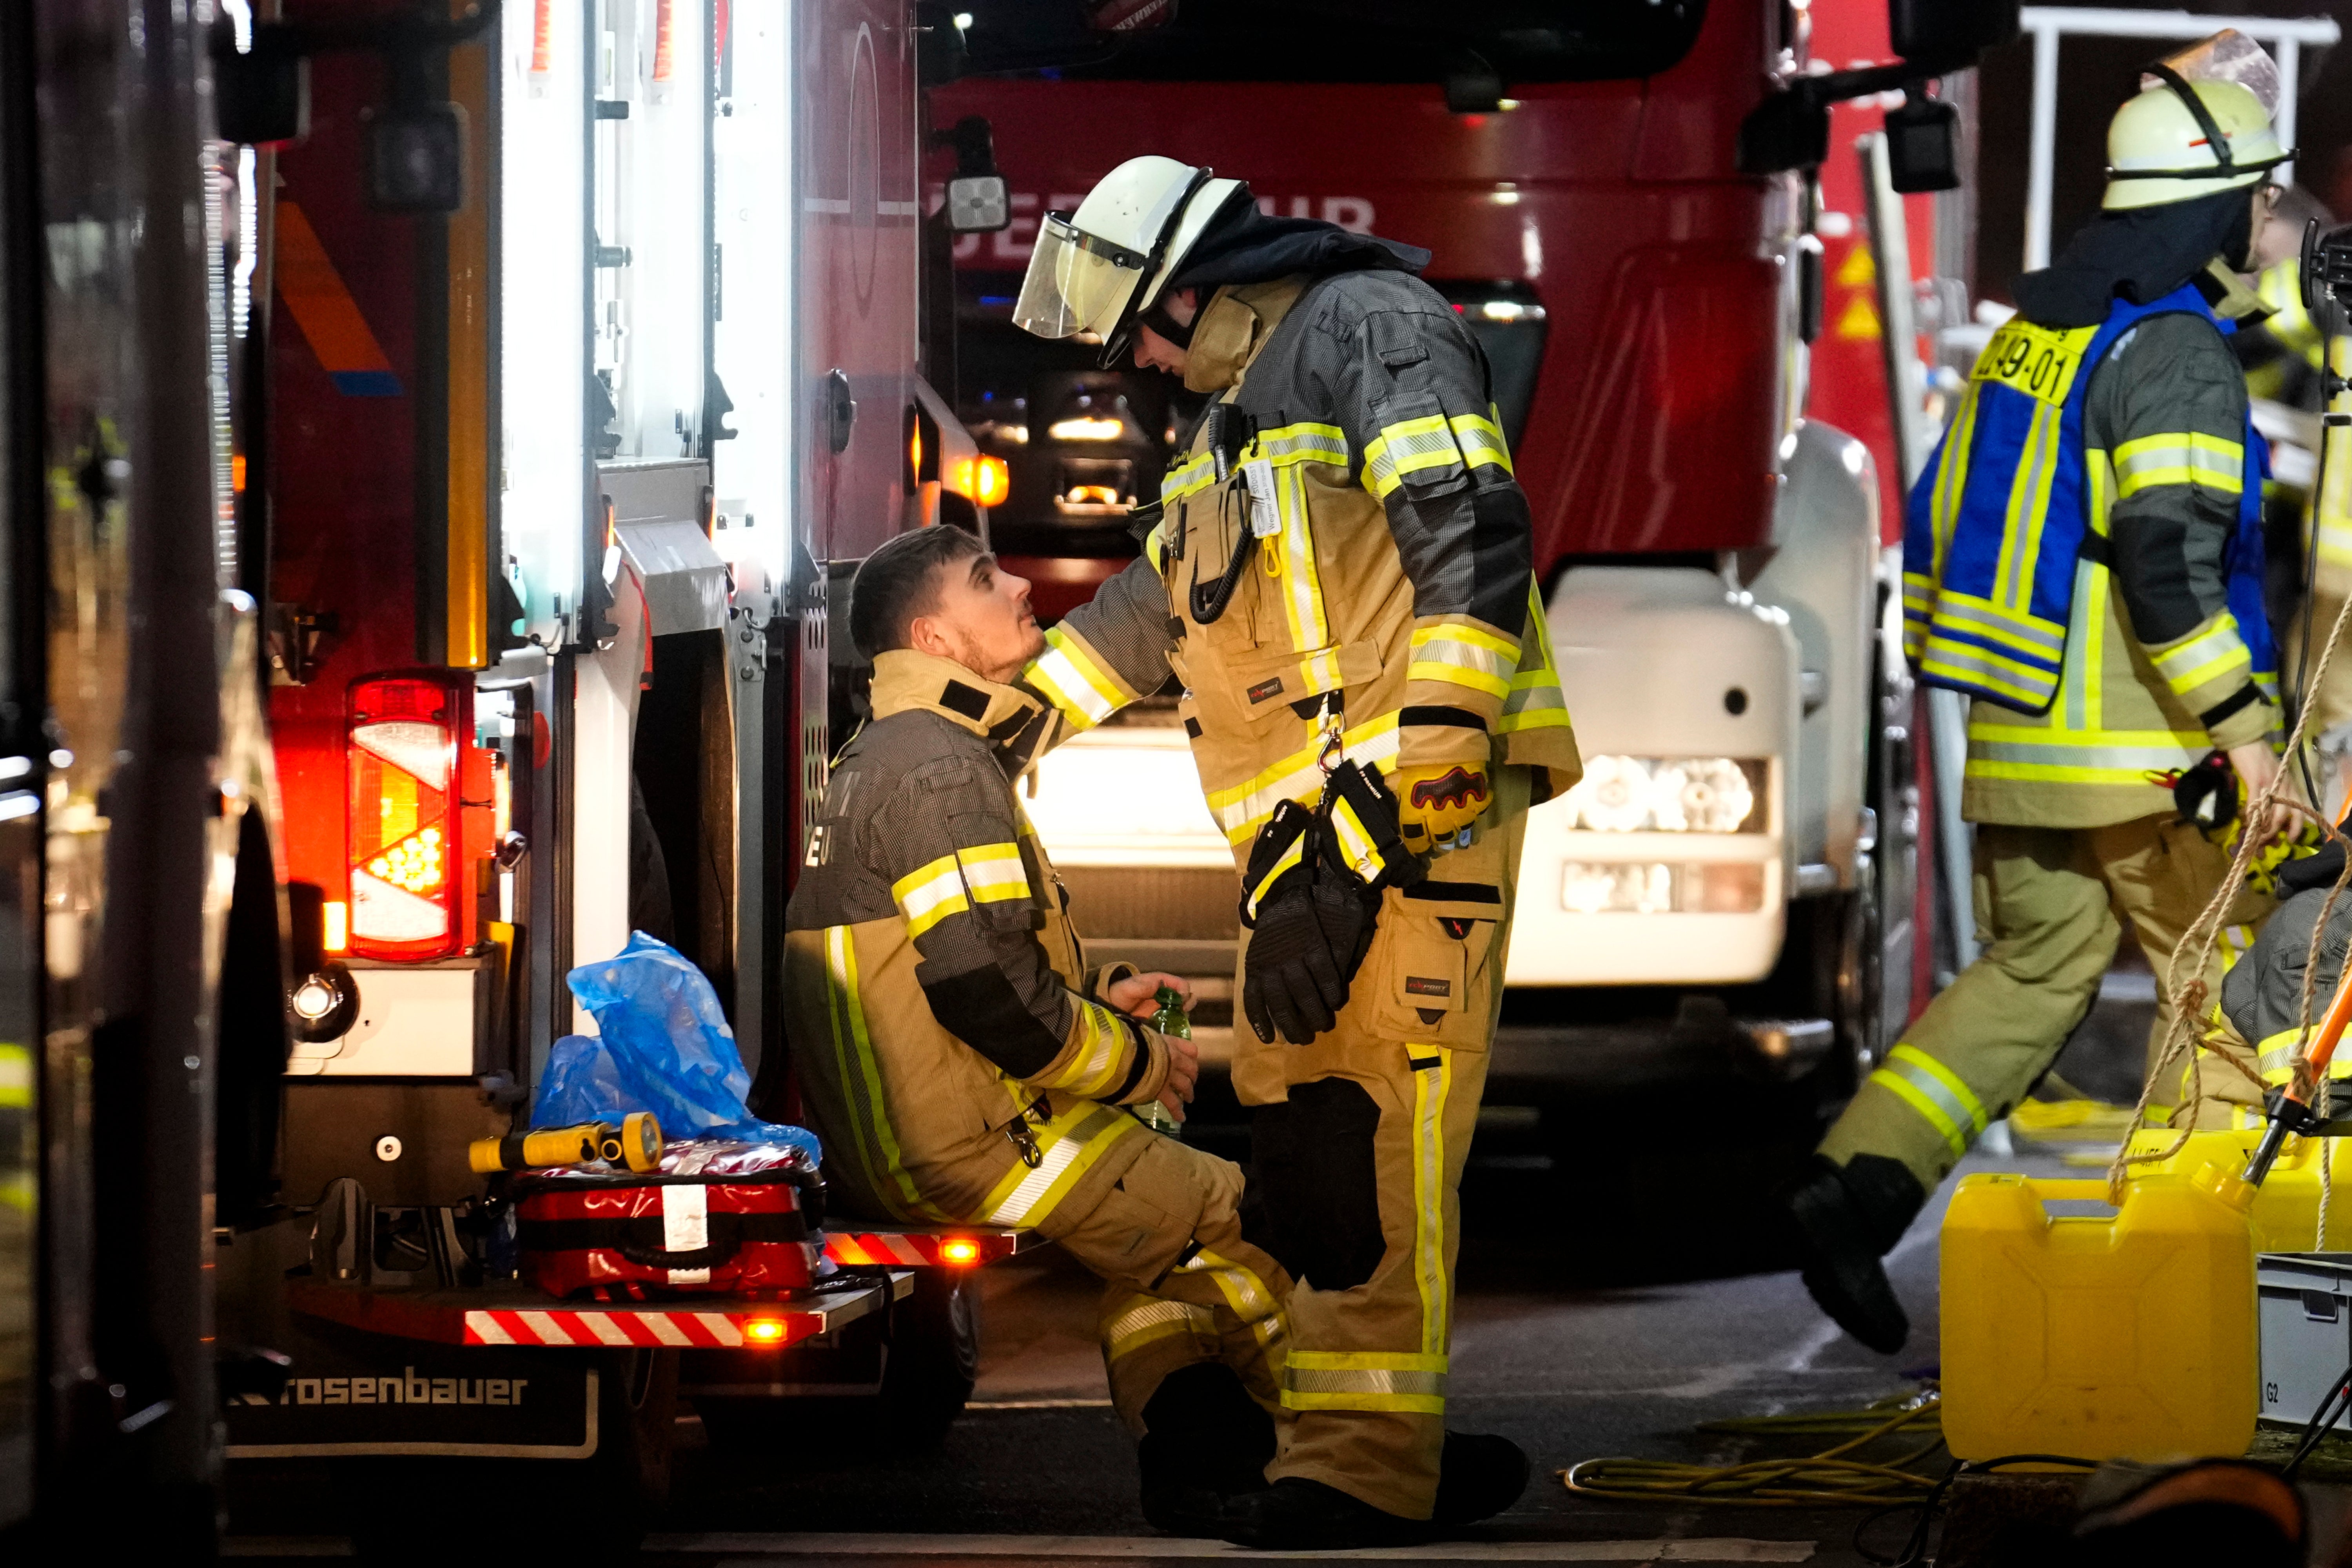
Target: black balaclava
{"points": [[2141, 253], [1242, 245]]}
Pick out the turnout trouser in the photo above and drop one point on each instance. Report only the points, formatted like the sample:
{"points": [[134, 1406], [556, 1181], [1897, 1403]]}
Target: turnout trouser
{"points": [[1179, 1285], [1360, 1140], [2050, 904]]}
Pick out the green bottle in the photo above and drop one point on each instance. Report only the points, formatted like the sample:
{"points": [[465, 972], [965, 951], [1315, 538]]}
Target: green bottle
{"points": [[1168, 1020]]}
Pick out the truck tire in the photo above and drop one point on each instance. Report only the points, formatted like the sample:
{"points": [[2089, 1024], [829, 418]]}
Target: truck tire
{"points": [[934, 1357]]}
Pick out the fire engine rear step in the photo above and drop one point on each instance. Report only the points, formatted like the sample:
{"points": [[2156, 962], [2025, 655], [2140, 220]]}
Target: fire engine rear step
{"points": [[861, 1244], [520, 1316]]}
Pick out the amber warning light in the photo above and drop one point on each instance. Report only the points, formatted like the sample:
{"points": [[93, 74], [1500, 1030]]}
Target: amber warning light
{"points": [[982, 480], [764, 1329], [958, 1251]]}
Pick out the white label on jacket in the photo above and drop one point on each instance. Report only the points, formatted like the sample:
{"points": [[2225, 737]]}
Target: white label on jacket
{"points": [[1266, 517], [686, 1227]]}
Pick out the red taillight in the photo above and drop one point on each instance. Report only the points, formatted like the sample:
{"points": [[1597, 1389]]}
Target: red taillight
{"points": [[402, 749]]}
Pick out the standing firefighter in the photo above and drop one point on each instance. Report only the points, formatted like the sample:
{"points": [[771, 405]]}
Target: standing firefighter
{"points": [[2083, 557], [1340, 577]]}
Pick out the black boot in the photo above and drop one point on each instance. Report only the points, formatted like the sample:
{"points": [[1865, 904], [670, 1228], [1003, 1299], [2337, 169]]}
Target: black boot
{"points": [[1846, 1219], [1479, 1477], [1204, 1441], [1297, 1515]]}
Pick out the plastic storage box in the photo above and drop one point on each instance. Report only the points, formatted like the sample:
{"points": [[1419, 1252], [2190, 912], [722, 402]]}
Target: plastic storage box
{"points": [[2306, 1325], [2099, 1333]]}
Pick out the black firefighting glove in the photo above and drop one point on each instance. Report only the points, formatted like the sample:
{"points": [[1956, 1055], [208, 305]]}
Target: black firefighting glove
{"points": [[1310, 938], [1310, 898]]}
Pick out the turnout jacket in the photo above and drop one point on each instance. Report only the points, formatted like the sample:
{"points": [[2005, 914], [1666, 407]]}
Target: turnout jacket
{"points": [[2164, 653], [1377, 547], [953, 1056]]}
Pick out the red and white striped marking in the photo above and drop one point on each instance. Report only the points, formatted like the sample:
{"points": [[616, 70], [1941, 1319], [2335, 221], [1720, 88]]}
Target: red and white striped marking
{"points": [[920, 1248], [657, 1327]]}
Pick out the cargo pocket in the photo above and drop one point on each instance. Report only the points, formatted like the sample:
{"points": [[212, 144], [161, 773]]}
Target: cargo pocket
{"points": [[1432, 958], [1273, 685]]}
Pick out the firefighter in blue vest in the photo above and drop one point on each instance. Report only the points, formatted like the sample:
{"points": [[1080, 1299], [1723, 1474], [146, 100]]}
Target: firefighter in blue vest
{"points": [[2082, 557]]}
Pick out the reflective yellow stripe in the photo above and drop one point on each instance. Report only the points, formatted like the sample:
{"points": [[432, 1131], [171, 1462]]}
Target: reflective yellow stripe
{"points": [[2030, 684], [1070, 679], [1256, 1306], [1481, 441], [1464, 655], [2089, 756], [2278, 1054], [1364, 1380], [1304, 442], [2029, 502], [1149, 1319], [1193, 474], [1286, 860], [1952, 476], [1535, 701], [1430, 1087], [993, 873], [861, 1079], [1929, 1087], [2203, 656], [1302, 587], [1243, 809], [1356, 846], [1094, 1067], [2021, 630], [1407, 447], [2179, 457], [930, 895], [1070, 1143], [1155, 545], [15, 1077]]}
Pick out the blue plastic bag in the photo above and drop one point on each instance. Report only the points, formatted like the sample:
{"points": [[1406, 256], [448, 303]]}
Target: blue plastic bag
{"points": [[664, 1046]]}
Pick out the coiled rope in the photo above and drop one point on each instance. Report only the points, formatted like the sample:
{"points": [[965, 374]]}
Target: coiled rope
{"points": [[1826, 1480]]}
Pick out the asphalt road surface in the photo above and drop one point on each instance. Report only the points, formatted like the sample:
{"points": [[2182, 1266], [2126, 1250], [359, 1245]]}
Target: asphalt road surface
{"points": [[1592, 1320], [1620, 1284]]}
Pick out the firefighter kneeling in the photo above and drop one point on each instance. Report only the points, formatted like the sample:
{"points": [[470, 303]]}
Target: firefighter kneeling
{"points": [[961, 1065]]}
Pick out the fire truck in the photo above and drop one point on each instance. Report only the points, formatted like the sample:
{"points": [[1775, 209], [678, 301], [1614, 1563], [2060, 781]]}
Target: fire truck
{"points": [[439, 438], [1624, 206]]}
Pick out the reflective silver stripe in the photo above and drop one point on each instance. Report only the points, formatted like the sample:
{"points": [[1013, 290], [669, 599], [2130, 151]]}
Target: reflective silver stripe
{"points": [[1920, 1072], [1322, 1380], [2113, 759], [1951, 609], [1304, 444], [1060, 1154], [1130, 1329]]}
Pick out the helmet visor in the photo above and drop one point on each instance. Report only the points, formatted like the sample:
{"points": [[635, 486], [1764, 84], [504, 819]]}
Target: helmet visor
{"points": [[1076, 282]]}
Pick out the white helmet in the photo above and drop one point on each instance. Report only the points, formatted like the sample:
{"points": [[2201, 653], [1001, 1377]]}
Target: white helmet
{"points": [[2202, 124], [1095, 271]]}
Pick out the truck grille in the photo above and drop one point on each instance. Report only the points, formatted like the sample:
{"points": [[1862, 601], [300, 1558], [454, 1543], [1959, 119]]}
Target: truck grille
{"points": [[1187, 904]]}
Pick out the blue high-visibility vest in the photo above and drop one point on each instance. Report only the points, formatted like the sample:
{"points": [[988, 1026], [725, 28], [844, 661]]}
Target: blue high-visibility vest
{"points": [[2000, 516]]}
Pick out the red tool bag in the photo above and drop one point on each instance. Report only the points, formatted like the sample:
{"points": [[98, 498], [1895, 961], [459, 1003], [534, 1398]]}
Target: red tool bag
{"points": [[626, 1238]]}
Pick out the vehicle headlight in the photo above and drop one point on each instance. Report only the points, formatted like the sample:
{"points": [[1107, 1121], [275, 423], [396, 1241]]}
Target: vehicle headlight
{"points": [[1669, 794]]}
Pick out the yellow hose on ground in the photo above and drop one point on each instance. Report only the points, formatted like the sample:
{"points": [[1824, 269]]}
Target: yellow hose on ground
{"points": [[1826, 1480]]}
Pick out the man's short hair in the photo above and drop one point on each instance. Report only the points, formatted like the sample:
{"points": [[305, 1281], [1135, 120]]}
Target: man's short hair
{"points": [[900, 581]]}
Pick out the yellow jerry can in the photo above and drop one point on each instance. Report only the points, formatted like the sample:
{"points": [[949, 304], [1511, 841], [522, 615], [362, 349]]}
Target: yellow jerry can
{"points": [[2121, 1334], [2286, 1206]]}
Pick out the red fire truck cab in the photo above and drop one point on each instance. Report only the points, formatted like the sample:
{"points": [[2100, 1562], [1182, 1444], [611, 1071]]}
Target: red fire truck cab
{"points": [[1716, 892]]}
